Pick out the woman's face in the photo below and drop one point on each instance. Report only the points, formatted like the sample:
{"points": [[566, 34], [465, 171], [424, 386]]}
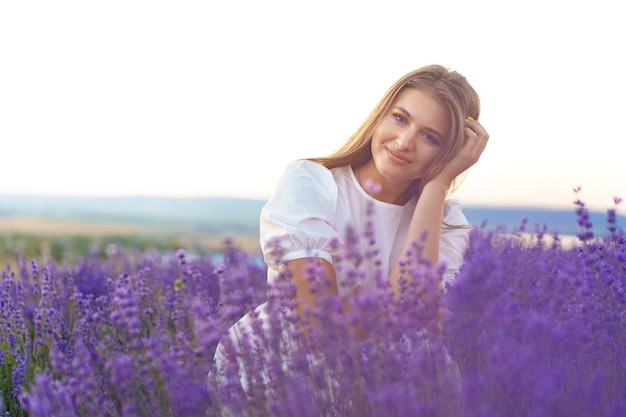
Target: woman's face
{"points": [[408, 138]]}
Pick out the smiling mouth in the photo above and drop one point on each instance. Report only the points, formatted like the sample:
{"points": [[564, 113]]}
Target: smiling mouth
{"points": [[397, 158]]}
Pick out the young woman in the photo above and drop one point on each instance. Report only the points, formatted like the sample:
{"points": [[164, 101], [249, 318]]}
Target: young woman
{"points": [[403, 160]]}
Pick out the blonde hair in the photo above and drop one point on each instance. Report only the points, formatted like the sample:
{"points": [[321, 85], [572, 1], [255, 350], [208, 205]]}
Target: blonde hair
{"points": [[445, 85]]}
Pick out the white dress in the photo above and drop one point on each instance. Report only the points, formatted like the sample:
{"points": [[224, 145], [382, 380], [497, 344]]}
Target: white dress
{"points": [[308, 216], [312, 207]]}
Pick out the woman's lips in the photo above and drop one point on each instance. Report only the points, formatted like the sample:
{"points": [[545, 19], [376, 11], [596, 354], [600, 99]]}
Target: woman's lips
{"points": [[397, 158]]}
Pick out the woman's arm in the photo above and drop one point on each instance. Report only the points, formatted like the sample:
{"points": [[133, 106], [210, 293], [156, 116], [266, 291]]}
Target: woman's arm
{"points": [[428, 214], [426, 220], [305, 295]]}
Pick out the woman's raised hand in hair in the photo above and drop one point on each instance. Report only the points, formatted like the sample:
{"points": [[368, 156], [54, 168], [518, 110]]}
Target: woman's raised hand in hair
{"points": [[475, 141]]}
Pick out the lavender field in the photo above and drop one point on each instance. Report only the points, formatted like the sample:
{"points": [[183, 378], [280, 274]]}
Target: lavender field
{"points": [[529, 328]]}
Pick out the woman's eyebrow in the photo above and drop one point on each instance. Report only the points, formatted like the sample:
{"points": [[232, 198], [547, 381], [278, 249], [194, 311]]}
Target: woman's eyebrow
{"points": [[436, 133], [403, 111]]}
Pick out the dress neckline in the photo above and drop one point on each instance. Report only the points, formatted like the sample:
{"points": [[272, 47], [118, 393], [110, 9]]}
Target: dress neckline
{"points": [[359, 187]]}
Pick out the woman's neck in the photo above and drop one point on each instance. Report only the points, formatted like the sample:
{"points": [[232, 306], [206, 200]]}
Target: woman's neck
{"points": [[382, 189]]}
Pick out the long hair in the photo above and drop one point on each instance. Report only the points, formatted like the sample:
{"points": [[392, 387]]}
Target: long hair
{"points": [[445, 85]]}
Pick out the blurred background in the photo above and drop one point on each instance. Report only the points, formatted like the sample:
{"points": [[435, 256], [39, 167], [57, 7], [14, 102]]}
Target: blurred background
{"points": [[152, 119]]}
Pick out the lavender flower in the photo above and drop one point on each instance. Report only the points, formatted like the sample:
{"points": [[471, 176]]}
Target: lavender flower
{"points": [[528, 328]]}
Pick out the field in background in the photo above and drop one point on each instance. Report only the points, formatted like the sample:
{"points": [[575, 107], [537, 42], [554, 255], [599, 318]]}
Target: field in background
{"points": [[67, 240], [66, 228], [51, 227]]}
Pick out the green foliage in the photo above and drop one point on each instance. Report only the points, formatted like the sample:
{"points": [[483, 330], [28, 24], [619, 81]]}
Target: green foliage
{"points": [[69, 248]]}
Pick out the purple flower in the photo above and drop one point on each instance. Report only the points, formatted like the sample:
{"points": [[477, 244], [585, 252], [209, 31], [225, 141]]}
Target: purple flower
{"points": [[526, 328]]}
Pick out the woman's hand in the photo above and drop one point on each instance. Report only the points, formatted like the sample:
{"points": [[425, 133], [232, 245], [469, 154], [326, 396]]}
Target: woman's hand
{"points": [[475, 140]]}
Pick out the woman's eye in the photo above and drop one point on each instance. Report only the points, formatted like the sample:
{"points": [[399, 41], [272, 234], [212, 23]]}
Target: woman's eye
{"points": [[399, 118], [430, 138]]}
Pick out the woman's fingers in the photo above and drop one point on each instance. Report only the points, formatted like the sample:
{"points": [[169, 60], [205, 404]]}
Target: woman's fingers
{"points": [[476, 138], [475, 128]]}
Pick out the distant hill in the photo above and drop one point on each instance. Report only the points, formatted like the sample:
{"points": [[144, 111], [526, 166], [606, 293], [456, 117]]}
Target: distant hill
{"points": [[238, 216], [557, 220], [207, 215]]}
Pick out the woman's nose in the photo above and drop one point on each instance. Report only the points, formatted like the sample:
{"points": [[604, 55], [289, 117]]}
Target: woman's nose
{"points": [[405, 142]]}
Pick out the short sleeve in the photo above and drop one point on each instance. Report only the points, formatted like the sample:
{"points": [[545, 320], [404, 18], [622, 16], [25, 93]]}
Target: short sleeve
{"points": [[297, 222], [454, 240]]}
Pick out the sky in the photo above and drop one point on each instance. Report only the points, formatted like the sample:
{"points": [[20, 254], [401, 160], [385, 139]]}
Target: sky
{"points": [[215, 98]]}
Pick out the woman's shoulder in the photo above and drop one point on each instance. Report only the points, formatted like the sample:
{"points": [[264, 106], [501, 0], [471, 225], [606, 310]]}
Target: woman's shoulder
{"points": [[304, 180], [306, 173], [307, 166], [300, 214]]}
